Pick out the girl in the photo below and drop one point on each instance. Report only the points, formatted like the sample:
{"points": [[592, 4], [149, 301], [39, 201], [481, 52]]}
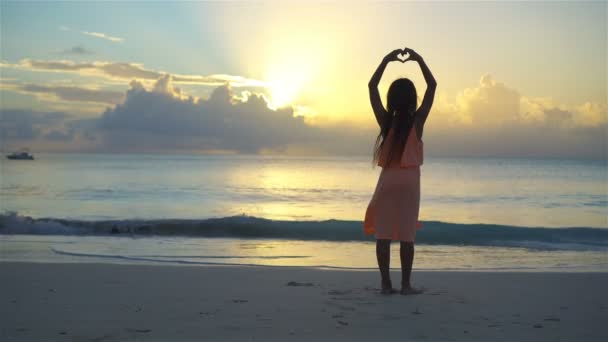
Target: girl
{"points": [[392, 213]]}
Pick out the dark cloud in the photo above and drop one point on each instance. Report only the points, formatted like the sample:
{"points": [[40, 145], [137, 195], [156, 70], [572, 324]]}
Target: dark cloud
{"points": [[46, 131], [130, 71], [77, 50], [555, 117], [163, 119], [69, 93], [548, 139], [57, 135], [19, 125], [55, 65], [127, 70]]}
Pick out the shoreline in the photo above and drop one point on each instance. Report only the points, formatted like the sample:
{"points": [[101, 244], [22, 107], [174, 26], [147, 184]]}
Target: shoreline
{"points": [[175, 251], [89, 301], [393, 268]]}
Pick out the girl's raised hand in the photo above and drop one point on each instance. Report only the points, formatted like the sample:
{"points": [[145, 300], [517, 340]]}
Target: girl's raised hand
{"points": [[413, 55], [393, 56]]}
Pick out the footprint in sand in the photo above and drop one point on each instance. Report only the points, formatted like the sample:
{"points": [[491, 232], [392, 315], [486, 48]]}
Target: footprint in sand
{"points": [[105, 337], [340, 307], [358, 299], [144, 331], [366, 303], [209, 313], [295, 283], [263, 319], [339, 293], [552, 319]]}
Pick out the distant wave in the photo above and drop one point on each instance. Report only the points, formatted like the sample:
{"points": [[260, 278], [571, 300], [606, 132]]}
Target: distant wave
{"points": [[246, 227]]}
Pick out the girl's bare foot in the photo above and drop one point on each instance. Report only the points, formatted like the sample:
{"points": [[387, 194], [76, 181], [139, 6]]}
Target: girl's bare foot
{"points": [[411, 291], [388, 291]]}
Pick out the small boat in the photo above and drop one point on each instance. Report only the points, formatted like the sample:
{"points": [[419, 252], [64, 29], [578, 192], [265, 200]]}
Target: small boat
{"points": [[21, 155]]}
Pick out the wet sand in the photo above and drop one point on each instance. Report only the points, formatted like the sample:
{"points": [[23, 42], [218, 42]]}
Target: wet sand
{"points": [[109, 302]]}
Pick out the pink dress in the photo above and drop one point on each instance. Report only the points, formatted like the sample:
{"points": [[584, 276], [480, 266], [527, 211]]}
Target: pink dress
{"points": [[393, 210]]}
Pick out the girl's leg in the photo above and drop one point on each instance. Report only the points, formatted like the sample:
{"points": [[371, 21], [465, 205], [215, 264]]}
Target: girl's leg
{"points": [[407, 260], [383, 254]]}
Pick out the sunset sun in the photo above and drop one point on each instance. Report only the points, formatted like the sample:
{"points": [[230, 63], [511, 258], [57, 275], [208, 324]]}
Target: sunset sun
{"points": [[283, 92], [287, 80]]}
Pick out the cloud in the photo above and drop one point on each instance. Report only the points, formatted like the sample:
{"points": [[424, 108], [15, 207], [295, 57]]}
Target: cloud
{"points": [[46, 131], [495, 120], [104, 36], [77, 50], [493, 105], [590, 114], [128, 71], [163, 119], [66, 93], [490, 119], [94, 34], [16, 124], [57, 135]]}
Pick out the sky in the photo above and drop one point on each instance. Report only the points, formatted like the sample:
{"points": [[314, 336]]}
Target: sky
{"points": [[515, 79]]}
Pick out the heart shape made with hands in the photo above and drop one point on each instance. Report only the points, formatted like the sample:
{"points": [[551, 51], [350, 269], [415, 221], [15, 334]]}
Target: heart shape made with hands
{"points": [[404, 56]]}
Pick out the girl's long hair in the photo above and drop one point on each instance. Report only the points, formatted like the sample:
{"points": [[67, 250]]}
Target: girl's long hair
{"points": [[401, 103]]}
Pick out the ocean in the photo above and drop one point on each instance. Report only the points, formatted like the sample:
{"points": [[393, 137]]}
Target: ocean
{"points": [[477, 213]]}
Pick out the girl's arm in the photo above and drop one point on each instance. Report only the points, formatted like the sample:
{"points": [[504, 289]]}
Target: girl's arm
{"points": [[429, 95], [374, 95]]}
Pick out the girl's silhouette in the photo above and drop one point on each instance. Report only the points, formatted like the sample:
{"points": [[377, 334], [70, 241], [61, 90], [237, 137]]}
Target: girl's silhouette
{"points": [[392, 213]]}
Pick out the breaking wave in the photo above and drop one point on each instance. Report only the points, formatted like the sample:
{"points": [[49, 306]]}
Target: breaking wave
{"points": [[247, 227]]}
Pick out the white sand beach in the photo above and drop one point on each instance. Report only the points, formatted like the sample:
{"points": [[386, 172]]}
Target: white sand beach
{"points": [[103, 302]]}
